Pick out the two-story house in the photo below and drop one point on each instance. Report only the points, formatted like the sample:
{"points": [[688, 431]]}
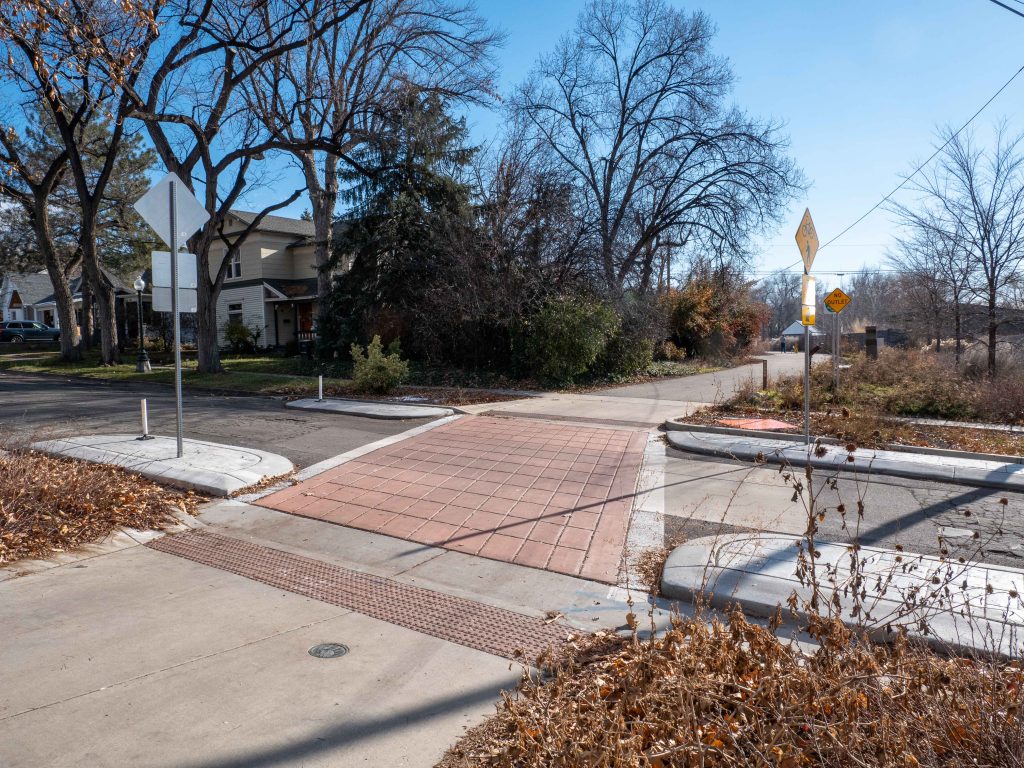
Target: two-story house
{"points": [[271, 283]]}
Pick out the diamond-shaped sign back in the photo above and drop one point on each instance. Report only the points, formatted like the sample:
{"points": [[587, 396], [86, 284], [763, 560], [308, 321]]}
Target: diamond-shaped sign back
{"points": [[155, 209]]}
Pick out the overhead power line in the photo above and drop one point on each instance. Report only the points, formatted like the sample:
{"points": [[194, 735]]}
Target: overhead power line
{"points": [[931, 157], [1011, 10]]}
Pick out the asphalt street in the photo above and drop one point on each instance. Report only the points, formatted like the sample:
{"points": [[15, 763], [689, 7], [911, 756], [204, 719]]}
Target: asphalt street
{"points": [[44, 407], [705, 497]]}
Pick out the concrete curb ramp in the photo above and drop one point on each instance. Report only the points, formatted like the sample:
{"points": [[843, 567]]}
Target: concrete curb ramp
{"points": [[218, 470], [371, 410], [966, 606], [945, 469]]}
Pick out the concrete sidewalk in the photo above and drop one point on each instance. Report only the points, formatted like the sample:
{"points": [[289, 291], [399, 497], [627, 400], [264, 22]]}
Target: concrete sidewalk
{"points": [[147, 658], [946, 468], [967, 606], [595, 408], [371, 410]]}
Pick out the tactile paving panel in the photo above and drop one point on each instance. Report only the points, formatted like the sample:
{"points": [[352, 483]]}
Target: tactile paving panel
{"points": [[475, 625]]}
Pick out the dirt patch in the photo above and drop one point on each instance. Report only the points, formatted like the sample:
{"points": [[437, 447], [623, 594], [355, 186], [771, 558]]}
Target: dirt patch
{"points": [[872, 430], [52, 505]]}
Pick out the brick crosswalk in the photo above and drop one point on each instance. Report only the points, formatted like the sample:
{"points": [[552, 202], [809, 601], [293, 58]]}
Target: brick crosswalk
{"points": [[551, 496]]}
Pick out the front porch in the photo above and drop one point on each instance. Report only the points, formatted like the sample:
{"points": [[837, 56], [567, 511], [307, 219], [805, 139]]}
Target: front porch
{"points": [[290, 310]]}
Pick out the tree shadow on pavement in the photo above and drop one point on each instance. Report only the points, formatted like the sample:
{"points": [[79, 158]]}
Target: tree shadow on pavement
{"points": [[347, 734]]}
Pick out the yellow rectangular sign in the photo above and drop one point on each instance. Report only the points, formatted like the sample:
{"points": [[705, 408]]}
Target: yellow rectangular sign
{"points": [[807, 315], [837, 301]]}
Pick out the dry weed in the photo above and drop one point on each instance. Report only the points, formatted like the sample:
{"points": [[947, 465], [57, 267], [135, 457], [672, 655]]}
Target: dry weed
{"points": [[714, 694]]}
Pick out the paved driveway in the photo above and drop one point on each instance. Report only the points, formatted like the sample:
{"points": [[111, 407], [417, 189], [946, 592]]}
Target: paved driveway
{"points": [[41, 407]]}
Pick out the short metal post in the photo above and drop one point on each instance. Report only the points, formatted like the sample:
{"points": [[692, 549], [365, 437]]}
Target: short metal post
{"points": [[320, 388], [144, 414], [764, 374]]}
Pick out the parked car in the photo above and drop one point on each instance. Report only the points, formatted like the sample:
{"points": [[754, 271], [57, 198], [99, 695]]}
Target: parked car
{"points": [[18, 331]]}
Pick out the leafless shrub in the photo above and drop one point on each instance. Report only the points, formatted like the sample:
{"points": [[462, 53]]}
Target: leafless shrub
{"points": [[732, 694]]}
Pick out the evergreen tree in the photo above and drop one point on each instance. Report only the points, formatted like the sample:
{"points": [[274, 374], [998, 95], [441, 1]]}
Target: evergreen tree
{"points": [[406, 237]]}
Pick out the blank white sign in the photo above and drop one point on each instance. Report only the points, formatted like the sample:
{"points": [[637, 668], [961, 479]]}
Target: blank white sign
{"points": [[188, 300], [187, 272]]}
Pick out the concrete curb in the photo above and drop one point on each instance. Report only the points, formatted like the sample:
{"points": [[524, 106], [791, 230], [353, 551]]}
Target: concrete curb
{"points": [[372, 409], [986, 474], [674, 425], [115, 541], [980, 610], [212, 468]]}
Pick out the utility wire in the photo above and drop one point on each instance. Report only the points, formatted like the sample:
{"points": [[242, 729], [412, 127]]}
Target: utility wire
{"points": [[1011, 10], [934, 154]]}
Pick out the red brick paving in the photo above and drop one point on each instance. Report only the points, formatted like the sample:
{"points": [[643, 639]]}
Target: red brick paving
{"points": [[551, 496]]}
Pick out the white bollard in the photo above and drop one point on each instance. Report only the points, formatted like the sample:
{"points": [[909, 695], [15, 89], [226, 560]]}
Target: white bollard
{"points": [[320, 390], [144, 413]]}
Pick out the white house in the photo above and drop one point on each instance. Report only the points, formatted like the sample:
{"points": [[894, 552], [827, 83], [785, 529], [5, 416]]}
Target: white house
{"points": [[270, 286], [271, 283]]}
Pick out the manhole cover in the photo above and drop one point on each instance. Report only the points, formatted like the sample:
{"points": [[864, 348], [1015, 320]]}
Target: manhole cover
{"points": [[328, 650]]}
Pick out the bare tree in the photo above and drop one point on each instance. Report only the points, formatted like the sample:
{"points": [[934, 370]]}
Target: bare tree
{"points": [[973, 199], [193, 106], [633, 104], [935, 260], [31, 172], [780, 292], [55, 53], [923, 291], [335, 89]]}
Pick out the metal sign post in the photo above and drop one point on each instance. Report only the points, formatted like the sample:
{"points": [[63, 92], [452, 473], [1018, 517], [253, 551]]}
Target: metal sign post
{"points": [[835, 303], [807, 240], [175, 316], [175, 217]]}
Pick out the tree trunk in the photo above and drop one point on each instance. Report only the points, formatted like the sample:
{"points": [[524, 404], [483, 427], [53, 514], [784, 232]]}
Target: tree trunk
{"points": [[86, 313], [992, 327], [207, 342], [70, 339], [323, 223], [956, 331], [106, 315]]}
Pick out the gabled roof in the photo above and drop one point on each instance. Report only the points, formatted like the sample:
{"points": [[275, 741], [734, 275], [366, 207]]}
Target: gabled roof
{"points": [[280, 224], [32, 287], [797, 329], [35, 287], [293, 289]]}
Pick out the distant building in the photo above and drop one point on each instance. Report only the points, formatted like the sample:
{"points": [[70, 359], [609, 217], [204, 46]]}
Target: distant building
{"points": [[29, 296]]}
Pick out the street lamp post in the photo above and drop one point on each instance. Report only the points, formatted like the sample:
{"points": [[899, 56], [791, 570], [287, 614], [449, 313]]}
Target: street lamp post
{"points": [[142, 365]]}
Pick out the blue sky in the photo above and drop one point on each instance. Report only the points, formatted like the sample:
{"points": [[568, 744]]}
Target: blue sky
{"points": [[862, 88]]}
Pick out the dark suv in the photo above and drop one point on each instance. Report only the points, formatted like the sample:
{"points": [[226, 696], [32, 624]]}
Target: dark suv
{"points": [[18, 331]]}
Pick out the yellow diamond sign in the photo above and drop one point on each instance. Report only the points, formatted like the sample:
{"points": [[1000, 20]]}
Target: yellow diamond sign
{"points": [[837, 301], [807, 239]]}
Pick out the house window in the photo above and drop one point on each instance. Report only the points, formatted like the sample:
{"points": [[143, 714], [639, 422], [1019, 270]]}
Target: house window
{"points": [[235, 314], [235, 267]]}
